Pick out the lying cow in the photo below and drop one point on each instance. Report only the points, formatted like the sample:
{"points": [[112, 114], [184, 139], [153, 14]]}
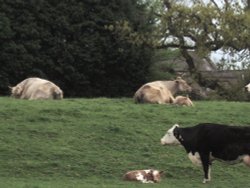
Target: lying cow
{"points": [[36, 88], [183, 101], [207, 142], [160, 92], [144, 176], [247, 88]]}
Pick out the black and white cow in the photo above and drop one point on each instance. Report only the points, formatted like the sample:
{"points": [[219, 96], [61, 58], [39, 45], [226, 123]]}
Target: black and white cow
{"points": [[206, 142]]}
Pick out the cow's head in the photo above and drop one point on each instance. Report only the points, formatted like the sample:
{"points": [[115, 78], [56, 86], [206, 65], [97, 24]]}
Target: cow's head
{"points": [[16, 91], [57, 93], [247, 87], [156, 175], [172, 136], [182, 85]]}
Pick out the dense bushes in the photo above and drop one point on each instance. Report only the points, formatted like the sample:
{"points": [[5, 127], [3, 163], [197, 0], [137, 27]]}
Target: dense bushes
{"points": [[68, 43]]}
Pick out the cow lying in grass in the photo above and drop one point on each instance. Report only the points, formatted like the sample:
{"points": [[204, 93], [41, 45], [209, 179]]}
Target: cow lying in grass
{"points": [[208, 141], [161, 92], [247, 88], [36, 88], [144, 176], [183, 101]]}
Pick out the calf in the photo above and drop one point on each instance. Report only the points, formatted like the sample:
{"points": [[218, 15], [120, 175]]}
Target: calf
{"points": [[208, 141], [183, 101], [144, 176]]}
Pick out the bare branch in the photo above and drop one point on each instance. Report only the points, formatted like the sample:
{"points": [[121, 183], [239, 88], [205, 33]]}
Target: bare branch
{"points": [[248, 5], [227, 5], [164, 46], [215, 4]]}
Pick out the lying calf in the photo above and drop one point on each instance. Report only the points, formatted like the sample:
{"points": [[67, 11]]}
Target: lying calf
{"points": [[183, 101], [144, 176]]}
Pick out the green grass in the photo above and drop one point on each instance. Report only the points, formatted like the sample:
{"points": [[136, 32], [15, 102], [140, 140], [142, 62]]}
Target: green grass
{"points": [[93, 142]]}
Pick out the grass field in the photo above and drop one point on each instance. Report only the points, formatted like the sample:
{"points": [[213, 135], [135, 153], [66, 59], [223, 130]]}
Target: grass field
{"points": [[93, 142]]}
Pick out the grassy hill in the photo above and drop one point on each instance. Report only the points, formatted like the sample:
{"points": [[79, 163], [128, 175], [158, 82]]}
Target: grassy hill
{"points": [[93, 142]]}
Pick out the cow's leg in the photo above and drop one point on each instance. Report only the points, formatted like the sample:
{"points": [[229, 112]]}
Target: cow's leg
{"points": [[209, 172], [246, 160], [206, 166]]}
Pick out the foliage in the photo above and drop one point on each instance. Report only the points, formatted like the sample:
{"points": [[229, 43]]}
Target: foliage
{"points": [[93, 142], [68, 43], [161, 69], [203, 27], [230, 91]]}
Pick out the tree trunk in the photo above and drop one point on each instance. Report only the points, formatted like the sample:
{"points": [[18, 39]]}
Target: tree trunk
{"points": [[189, 61], [196, 75]]}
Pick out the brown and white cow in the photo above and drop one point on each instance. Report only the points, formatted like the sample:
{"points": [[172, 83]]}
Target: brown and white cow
{"points": [[36, 88], [161, 92], [183, 101], [247, 88], [144, 176]]}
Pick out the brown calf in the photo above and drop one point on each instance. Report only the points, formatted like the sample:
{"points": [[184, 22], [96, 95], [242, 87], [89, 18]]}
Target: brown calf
{"points": [[144, 176]]}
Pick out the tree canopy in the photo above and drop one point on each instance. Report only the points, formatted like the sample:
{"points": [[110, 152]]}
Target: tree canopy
{"points": [[72, 44], [203, 26]]}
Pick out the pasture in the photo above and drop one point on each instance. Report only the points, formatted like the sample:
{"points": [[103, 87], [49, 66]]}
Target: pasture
{"points": [[93, 142]]}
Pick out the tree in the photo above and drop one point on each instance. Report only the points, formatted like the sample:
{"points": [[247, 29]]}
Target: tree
{"points": [[203, 27], [72, 44]]}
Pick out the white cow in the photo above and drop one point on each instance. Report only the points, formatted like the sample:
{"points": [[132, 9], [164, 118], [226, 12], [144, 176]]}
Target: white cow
{"points": [[247, 88], [36, 88], [161, 92]]}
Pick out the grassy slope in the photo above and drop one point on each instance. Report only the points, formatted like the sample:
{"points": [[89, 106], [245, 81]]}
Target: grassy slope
{"points": [[92, 142]]}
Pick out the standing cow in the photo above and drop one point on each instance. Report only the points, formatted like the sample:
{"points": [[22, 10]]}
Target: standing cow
{"points": [[207, 141], [36, 88], [160, 92]]}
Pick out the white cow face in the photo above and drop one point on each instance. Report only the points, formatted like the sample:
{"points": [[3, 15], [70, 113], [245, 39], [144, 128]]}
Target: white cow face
{"points": [[169, 138], [247, 87], [157, 175], [16, 91]]}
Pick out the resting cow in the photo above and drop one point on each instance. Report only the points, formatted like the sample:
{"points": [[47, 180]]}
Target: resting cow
{"points": [[247, 87], [183, 101], [36, 88], [160, 92], [144, 176], [207, 142]]}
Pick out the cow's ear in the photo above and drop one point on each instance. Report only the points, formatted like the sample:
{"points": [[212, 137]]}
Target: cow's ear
{"points": [[10, 87], [161, 172], [176, 125]]}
